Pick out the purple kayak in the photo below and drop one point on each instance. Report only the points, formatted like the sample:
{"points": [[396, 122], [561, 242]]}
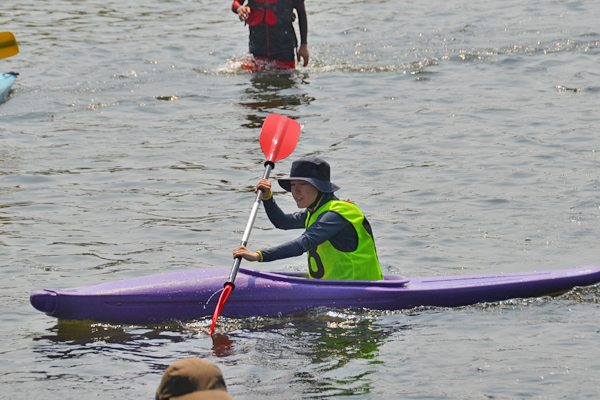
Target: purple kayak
{"points": [[181, 296]]}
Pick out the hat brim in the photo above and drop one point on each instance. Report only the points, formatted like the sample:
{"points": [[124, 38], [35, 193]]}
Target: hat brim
{"points": [[322, 186], [205, 395]]}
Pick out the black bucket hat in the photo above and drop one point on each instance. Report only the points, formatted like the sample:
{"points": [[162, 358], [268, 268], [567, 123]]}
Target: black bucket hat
{"points": [[312, 170]]}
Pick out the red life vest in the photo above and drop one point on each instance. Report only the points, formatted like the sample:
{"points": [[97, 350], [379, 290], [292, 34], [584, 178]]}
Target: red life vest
{"points": [[270, 12], [271, 31]]}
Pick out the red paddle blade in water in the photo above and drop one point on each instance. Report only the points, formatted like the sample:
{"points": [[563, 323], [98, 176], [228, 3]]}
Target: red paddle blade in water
{"points": [[278, 137], [222, 300]]}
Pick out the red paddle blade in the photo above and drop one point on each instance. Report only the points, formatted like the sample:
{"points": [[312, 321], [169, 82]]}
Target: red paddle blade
{"points": [[279, 136], [222, 300]]}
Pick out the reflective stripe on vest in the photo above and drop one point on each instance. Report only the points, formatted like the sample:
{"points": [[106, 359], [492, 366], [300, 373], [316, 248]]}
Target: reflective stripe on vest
{"points": [[327, 262]]}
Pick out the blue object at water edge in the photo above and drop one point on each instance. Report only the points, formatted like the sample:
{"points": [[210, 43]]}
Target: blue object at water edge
{"points": [[6, 81]]}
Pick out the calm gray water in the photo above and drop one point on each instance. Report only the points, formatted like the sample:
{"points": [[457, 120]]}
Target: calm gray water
{"points": [[466, 131]]}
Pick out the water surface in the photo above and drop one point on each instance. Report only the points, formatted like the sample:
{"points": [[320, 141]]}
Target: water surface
{"points": [[466, 132]]}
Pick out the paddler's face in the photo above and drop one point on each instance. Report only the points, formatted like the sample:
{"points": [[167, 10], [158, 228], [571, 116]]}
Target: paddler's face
{"points": [[304, 193]]}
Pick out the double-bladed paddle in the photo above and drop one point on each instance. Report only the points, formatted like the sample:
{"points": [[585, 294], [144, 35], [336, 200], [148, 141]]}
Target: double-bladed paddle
{"points": [[278, 139], [8, 45]]}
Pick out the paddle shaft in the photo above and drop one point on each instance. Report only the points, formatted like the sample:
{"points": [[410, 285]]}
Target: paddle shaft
{"points": [[278, 138], [236, 264]]}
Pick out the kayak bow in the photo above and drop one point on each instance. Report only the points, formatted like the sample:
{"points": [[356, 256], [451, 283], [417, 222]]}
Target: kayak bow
{"points": [[6, 81]]}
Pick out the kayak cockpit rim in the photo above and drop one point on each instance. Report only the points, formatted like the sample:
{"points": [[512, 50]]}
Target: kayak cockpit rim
{"points": [[302, 278]]}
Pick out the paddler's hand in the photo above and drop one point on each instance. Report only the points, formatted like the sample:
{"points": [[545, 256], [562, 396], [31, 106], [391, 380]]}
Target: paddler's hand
{"points": [[243, 12], [265, 185], [246, 254], [303, 54]]}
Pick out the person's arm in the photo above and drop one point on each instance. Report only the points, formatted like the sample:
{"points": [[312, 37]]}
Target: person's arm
{"points": [[303, 23], [281, 220], [240, 10], [277, 217], [328, 225]]}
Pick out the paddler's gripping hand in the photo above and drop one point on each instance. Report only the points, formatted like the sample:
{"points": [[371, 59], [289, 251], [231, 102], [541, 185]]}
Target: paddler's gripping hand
{"points": [[246, 254], [265, 186]]}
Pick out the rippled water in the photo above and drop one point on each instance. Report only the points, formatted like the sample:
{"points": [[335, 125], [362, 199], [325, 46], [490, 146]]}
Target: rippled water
{"points": [[465, 131]]}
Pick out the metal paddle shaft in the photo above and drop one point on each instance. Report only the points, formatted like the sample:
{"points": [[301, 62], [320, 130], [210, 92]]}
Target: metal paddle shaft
{"points": [[236, 264], [278, 139]]}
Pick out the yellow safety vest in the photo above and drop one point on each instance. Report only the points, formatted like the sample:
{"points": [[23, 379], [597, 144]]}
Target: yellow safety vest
{"points": [[327, 262]]}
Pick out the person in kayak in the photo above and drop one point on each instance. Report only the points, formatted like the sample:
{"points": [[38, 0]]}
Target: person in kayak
{"points": [[272, 35], [338, 237]]}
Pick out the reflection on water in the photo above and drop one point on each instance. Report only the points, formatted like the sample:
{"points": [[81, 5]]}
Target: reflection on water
{"points": [[331, 342], [324, 345], [85, 332], [340, 336], [314, 352], [223, 346], [270, 92]]}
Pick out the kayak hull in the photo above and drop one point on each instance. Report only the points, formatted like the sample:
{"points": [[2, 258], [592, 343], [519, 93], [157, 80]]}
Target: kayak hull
{"points": [[186, 295], [6, 81]]}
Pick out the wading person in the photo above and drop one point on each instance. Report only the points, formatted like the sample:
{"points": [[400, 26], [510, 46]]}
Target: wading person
{"points": [[337, 237], [272, 36]]}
